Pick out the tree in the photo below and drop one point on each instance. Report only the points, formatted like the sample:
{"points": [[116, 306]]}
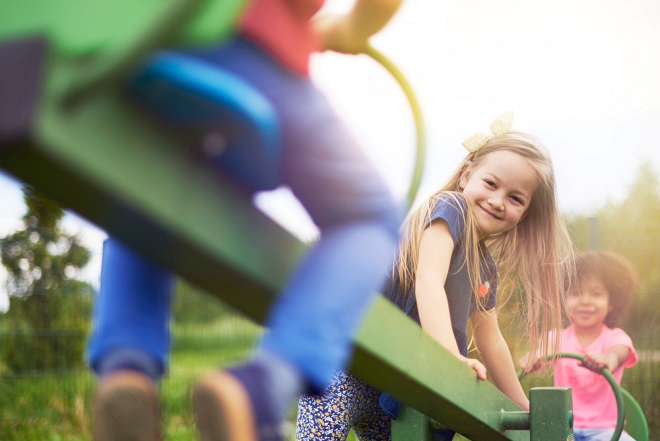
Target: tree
{"points": [[632, 228], [49, 309]]}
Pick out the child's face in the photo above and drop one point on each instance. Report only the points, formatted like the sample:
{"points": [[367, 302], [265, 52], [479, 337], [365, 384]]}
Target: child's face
{"points": [[589, 304], [501, 188]]}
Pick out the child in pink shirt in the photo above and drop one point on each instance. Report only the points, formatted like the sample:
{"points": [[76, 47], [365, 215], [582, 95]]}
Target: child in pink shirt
{"points": [[595, 307]]}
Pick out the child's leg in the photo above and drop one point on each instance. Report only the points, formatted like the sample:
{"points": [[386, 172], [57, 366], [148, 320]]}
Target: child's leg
{"points": [[131, 314], [372, 423], [313, 321], [347, 403], [129, 345], [328, 294]]}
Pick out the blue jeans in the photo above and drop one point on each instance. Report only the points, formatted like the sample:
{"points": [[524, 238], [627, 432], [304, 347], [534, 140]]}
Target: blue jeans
{"points": [[598, 435], [314, 318]]}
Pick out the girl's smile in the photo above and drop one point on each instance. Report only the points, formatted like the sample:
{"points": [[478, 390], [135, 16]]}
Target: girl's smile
{"points": [[589, 305], [501, 188]]}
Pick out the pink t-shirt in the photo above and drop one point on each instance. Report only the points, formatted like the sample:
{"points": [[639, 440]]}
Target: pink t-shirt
{"points": [[594, 404], [282, 28]]}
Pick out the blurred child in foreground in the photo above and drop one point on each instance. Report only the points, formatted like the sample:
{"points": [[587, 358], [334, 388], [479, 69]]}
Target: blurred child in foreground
{"points": [[313, 318]]}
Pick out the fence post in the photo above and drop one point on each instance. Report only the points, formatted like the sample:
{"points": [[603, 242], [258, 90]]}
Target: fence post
{"points": [[593, 232]]}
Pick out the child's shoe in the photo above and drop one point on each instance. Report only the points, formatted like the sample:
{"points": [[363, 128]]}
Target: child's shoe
{"points": [[237, 405], [126, 408]]}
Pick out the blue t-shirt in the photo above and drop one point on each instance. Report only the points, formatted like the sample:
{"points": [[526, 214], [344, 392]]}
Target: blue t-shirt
{"points": [[460, 298]]}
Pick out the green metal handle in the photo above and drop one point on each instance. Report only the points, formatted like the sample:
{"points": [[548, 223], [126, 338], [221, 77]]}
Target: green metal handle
{"points": [[605, 372], [420, 131]]}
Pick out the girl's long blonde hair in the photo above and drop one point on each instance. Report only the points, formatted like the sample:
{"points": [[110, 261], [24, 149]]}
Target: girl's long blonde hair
{"points": [[536, 256]]}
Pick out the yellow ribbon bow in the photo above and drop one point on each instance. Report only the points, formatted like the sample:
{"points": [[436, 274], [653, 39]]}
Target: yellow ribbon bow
{"points": [[501, 125]]}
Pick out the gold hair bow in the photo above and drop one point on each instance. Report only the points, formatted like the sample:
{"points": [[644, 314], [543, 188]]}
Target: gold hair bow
{"points": [[501, 125]]}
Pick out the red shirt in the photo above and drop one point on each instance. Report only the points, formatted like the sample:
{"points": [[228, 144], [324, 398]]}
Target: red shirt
{"points": [[281, 28]]}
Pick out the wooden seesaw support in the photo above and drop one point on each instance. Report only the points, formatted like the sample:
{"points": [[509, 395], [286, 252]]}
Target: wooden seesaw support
{"points": [[76, 138]]}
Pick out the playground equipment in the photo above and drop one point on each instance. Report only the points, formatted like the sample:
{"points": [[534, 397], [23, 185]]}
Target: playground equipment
{"points": [[67, 127], [630, 415]]}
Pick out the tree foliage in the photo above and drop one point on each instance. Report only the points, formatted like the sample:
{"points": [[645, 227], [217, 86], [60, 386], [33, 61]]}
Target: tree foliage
{"points": [[49, 309], [630, 227]]}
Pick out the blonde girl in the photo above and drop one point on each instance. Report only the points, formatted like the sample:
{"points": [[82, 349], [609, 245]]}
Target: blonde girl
{"points": [[493, 229]]}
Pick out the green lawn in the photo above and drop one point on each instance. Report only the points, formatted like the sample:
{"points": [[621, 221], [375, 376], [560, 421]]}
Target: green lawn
{"points": [[57, 407]]}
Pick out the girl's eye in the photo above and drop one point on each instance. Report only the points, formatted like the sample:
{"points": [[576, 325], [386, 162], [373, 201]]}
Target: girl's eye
{"points": [[517, 200], [489, 182]]}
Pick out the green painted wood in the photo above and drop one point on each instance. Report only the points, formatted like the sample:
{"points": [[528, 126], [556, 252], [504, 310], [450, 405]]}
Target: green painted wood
{"points": [[86, 42], [133, 178], [411, 425], [551, 414], [395, 355], [551, 419], [79, 28]]}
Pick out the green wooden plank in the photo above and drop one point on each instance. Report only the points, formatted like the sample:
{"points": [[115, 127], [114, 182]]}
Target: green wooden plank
{"points": [[80, 28], [395, 355], [90, 50], [113, 166], [411, 425]]}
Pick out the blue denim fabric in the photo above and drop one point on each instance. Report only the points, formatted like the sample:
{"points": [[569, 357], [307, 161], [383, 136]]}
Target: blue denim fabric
{"points": [[131, 313], [598, 435]]}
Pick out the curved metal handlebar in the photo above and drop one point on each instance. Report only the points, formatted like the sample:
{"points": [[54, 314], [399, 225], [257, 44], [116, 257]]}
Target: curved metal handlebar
{"points": [[420, 131], [605, 372]]}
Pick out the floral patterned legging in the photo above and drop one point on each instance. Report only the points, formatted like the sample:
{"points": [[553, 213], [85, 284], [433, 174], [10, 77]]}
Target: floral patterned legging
{"points": [[347, 403]]}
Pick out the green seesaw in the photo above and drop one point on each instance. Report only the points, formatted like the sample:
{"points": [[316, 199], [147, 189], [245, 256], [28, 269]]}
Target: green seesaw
{"points": [[629, 413], [67, 127]]}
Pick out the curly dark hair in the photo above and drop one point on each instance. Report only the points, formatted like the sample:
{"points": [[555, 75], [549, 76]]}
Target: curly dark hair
{"points": [[617, 274]]}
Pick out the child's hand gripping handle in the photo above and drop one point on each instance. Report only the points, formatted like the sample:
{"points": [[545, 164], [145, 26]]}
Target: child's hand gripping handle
{"points": [[610, 379]]}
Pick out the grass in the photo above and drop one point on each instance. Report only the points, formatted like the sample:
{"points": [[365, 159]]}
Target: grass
{"points": [[48, 407], [45, 408], [56, 407]]}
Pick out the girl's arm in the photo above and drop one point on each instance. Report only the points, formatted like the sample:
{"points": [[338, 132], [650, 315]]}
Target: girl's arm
{"points": [[434, 256], [615, 357], [497, 357]]}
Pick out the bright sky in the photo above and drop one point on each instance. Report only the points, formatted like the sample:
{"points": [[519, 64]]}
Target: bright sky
{"points": [[580, 75]]}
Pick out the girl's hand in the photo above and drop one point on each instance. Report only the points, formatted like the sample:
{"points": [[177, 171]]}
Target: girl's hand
{"points": [[475, 365], [350, 33], [529, 364], [595, 361], [336, 34]]}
